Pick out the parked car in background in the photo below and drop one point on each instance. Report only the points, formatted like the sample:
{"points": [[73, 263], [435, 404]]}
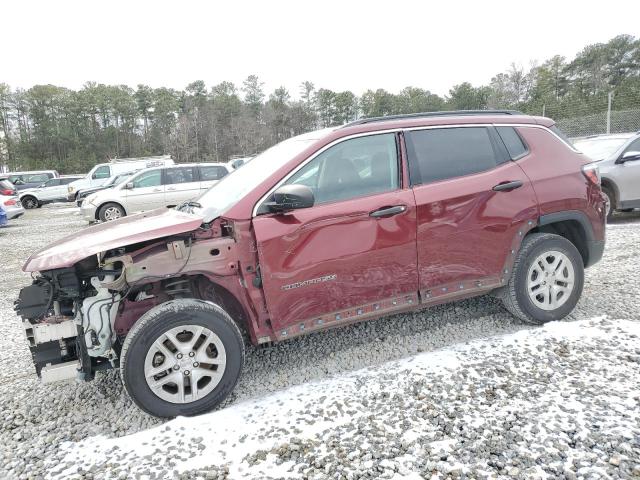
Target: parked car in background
{"points": [[618, 157], [3, 217], [101, 173], [31, 179], [53, 190], [112, 182], [9, 200], [376, 217], [152, 188], [7, 188]]}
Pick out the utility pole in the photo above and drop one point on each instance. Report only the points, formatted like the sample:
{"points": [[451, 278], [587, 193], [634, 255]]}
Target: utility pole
{"points": [[610, 96], [543, 108]]}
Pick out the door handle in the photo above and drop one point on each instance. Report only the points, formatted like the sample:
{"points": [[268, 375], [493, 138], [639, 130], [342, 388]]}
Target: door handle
{"points": [[508, 186], [388, 211], [171, 188], [157, 190]]}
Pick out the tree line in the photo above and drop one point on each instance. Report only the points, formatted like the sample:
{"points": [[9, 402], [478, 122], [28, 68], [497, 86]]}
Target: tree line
{"points": [[48, 126]]}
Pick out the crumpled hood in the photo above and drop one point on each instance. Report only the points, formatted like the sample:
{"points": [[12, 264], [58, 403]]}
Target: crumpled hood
{"points": [[119, 233]]}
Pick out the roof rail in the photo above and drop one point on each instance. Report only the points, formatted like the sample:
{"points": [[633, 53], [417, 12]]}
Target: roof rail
{"points": [[449, 113]]}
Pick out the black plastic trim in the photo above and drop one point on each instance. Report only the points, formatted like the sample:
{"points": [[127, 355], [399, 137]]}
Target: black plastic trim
{"points": [[595, 248]]}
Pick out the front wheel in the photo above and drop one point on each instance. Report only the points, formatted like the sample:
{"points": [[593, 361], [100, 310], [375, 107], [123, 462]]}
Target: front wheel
{"points": [[110, 211], [29, 202], [546, 280], [609, 202], [182, 357]]}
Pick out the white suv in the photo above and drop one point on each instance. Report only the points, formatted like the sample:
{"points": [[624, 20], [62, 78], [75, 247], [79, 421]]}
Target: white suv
{"points": [[53, 190], [152, 188]]}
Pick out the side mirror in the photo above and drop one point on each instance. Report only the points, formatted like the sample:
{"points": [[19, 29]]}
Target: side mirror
{"points": [[42, 185], [629, 156], [291, 197], [128, 186]]}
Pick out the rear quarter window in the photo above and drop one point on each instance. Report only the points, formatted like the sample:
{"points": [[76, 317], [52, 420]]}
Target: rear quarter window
{"points": [[512, 141]]}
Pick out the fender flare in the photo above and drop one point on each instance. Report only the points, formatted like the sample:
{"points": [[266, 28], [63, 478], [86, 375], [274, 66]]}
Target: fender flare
{"points": [[595, 248]]}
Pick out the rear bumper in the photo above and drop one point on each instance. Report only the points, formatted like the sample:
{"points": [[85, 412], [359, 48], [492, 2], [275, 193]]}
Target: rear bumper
{"points": [[13, 212]]}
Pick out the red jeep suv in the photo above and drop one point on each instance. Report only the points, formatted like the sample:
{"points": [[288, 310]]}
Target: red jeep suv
{"points": [[336, 226]]}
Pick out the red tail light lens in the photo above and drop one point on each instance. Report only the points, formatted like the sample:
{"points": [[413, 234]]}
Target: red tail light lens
{"points": [[9, 203], [7, 192], [592, 172]]}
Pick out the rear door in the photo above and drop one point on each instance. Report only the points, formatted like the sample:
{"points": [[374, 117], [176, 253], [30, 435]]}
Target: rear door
{"points": [[147, 192], [210, 175], [181, 183], [351, 255], [471, 202]]}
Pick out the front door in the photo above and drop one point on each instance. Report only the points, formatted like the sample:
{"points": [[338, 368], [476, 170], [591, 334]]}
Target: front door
{"points": [[627, 176], [147, 192], [351, 255], [472, 202]]}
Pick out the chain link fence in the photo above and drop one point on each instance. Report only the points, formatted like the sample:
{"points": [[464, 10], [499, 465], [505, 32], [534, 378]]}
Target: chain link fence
{"points": [[613, 113]]}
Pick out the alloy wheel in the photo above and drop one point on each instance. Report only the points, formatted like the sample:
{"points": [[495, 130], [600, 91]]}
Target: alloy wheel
{"points": [[185, 363], [550, 280]]}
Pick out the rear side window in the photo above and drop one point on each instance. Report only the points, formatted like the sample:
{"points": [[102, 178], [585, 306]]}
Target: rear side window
{"points": [[513, 142], [442, 153], [54, 182], [180, 175], [212, 172]]}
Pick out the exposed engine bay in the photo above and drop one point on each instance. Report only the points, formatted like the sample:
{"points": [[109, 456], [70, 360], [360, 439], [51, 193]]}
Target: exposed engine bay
{"points": [[75, 318]]}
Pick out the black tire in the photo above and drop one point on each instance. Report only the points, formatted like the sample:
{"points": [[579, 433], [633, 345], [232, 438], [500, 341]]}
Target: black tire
{"points": [[514, 295], [155, 322], [611, 201], [103, 211], [29, 202]]}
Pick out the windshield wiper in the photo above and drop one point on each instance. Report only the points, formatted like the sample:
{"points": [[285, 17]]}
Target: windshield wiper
{"points": [[188, 206]]}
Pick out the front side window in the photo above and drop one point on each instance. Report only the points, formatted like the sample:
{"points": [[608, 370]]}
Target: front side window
{"points": [[180, 175], [54, 182], [148, 179], [443, 153], [102, 172], [353, 168]]}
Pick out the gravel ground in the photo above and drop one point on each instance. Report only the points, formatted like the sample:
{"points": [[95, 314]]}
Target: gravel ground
{"points": [[36, 420]]}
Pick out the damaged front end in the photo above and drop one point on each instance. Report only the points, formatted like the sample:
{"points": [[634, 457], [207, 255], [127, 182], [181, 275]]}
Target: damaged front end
{"points": [[76, 317], [68, 316]]}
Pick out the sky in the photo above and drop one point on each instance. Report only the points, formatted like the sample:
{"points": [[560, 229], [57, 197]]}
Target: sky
{"points": [[340, 45]]}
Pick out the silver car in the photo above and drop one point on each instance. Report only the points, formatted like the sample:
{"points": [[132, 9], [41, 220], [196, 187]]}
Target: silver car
{"points": [[618, 156]]}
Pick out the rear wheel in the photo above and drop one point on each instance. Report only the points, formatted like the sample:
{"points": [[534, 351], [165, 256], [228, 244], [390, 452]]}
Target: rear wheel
{"points": [[29, 201], [182, 357], [546, 280], [111, 211]]}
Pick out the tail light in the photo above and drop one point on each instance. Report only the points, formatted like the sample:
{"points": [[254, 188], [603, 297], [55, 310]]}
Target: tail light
{"points": [[7, 192], [592, 172], [10, 203]]}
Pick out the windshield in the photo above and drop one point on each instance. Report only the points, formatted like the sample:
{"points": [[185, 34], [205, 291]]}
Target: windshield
{"points": [[599, 148], [118, 179], [228, 191]]}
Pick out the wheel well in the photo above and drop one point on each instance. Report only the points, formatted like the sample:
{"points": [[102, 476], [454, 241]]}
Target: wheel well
{"points": [[572, 230], [609, 185]]}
